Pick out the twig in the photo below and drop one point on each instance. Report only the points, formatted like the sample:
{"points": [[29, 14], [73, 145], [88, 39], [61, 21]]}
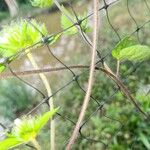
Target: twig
{"points": [[44, 70], [118, 66], [90, 82]]}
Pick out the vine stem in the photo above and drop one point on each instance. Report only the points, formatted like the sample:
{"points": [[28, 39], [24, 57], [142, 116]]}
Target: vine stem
{"points": [[118, 66], [42, 70], [91, 78], [49, 92], [36, 144], [124, 89]]}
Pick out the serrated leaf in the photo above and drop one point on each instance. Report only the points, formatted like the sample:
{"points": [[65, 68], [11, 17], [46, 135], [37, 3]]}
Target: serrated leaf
{"points": [[124, 43], [45, 118], [9, 143], [26, 130], [41, 3], [134, 53], [19, 35]]}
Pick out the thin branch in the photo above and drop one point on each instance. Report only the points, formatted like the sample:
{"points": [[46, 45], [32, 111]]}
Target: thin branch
{"points": [[91, 77], [125, 90], [118, 66], [44, 70]]}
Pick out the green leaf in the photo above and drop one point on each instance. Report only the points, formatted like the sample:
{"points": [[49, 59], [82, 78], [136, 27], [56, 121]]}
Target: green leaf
{"points": [[19, 35], [124, 43], [44, 119], [2, 68], [145, 141], [9, 143], [135, 53], [41, 3], [66, 23], [127, 49], [53, 39], [28, 128], [25, 130]]}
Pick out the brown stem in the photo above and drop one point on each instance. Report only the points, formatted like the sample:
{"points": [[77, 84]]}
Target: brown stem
{"points": [[118, 66], [44, 70], [124, 89], [90, 82]]}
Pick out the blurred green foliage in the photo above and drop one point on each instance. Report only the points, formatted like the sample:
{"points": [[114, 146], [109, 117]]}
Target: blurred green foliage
{"points": [[15, 98], [22, 1]]}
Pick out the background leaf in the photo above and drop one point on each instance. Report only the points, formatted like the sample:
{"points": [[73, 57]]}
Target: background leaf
{"points": [[41, 3], [124, 43], [134, 53], [145, 141]]}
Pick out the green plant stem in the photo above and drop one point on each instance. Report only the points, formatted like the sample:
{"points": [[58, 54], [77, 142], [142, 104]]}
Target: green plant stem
{"points": [[36, 144], [118, 66], [49, 92]]}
